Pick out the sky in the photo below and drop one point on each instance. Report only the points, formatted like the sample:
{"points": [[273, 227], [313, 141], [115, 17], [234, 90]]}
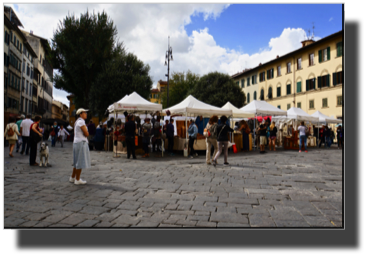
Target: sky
{"points": [[204, 37]]}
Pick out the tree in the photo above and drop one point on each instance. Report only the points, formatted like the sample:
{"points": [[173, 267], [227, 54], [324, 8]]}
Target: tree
{"points": [[92, 64], [119, 77], [180, 85], [217, 89]]}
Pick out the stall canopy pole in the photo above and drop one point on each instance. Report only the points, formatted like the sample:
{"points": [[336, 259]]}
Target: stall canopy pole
{"points": [[186, 129]]}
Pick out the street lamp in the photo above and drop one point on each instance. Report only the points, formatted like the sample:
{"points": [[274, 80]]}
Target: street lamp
{"points": [[167, 63]]}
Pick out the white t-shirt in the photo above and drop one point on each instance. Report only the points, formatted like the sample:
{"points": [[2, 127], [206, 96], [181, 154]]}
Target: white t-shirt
{"points": [[25, 125], [302, 130], [78, 134]]}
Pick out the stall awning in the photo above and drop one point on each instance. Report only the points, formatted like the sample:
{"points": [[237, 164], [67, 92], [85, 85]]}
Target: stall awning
{"points": [[324, 118], [263, 108], [236, 112], [134, 103]]}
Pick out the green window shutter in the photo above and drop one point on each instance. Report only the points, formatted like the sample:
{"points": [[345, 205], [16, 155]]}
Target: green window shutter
{"points": [[328, 51], [247, 97], [319, 81], [299, 87], [288, 90], [334, 79], [255, 95], [273, 73], [253, 80], [320, 56], [328, 80], [307, 85]]}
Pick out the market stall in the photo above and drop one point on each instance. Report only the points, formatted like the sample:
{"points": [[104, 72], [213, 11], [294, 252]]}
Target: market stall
{"points": [[262, 108], [191, 107], [132, 104], [289, 124], [238, 115], [325, 120]]}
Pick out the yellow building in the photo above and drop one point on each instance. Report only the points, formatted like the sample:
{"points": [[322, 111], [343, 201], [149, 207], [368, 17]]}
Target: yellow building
{"points": [[72, 113], [155, 95], [310, 78]]}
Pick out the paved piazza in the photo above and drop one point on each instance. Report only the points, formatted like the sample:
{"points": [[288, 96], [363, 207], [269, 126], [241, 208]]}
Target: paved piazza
{"points": [[277, 189]]}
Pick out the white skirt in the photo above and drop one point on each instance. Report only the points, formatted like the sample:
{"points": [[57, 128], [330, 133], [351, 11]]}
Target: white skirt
{"points": [[81, 155]]}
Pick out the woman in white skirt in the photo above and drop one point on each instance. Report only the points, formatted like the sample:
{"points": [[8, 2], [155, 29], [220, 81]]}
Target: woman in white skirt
{"points": [[81, 152]]}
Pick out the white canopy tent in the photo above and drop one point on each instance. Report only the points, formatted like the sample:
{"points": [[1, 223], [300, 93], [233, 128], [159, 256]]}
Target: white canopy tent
{"points": [[324, 119], [262, 108], [296, 114], [191, 107], [238, 113], [133, 103]]}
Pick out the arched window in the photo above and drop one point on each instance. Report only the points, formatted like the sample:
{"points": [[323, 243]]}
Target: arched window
{"points": [[255, 95], [248, 97], [262, 95], [270, 93]]}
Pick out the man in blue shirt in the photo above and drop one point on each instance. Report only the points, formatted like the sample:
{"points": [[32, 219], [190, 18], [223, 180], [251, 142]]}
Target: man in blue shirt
{"points": [[192, 133]]}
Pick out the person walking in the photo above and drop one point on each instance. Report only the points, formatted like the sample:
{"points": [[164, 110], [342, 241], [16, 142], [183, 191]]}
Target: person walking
{"points": [[170, 131], [322, 135], [263, 142], [340, 137], [35, 136], [212, 139], [192, 133], [19, 141], [25, 132], [54, 131], [302, 136], [11, 134], [245, 132], [273, 136], [222, 140], [81, 152], [146, 131], [61, 134], [130, 129], [99, 138]]}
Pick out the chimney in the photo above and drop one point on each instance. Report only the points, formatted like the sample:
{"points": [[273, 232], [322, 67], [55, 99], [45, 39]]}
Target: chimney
{"points": [[307, 42], [260, 64], [31, 31], [277, 57]]}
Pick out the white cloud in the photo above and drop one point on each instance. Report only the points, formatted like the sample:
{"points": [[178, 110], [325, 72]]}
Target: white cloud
{"points": [[144, 29], [331, 19]]}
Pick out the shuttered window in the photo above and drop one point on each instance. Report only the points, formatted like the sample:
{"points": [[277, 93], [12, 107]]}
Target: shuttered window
{"points": [[248, 81], [253, 79], [339, 49], [310, 84], [248, 97], [262, 95], [279, 73], [298, 87], [311, 104], [255, 95], [270, 93], [337, 78], [299, 105], [242, 83], [288, 89], [311, 59], [289, 67], [278, 91], [299, 63], [262, 76], [323, 81], [325, 102], [339, 100], [288, 106]]}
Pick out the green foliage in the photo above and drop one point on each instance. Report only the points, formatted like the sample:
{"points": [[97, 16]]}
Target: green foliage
{"points": [[180, 85], [92, 64], [217, 89], [124, 75]]}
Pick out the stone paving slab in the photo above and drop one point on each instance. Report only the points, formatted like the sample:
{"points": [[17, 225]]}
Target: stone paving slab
{"points": [[279, 189]]}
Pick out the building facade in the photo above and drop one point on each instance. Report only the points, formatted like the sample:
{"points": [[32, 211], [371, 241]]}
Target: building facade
{"points": [[43, 74], [310, 78], [156, 93], [27, 78]]}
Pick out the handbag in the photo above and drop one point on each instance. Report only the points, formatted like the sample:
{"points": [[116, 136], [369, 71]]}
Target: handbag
{"points": [[248, 131], [10, 131], [206, 133], [34, 136]]}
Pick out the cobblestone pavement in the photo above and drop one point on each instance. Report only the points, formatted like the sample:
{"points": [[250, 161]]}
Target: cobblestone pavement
{"points": [[277, 189]]}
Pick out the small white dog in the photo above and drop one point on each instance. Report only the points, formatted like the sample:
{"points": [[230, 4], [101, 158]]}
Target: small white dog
{"points": [[44, 152]]}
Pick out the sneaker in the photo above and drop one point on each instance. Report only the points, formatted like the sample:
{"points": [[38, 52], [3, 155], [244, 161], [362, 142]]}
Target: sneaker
{"points": [[300, 151], [71, 179], [80, 181], [226, 164], [306, 151], [214, 162]]}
